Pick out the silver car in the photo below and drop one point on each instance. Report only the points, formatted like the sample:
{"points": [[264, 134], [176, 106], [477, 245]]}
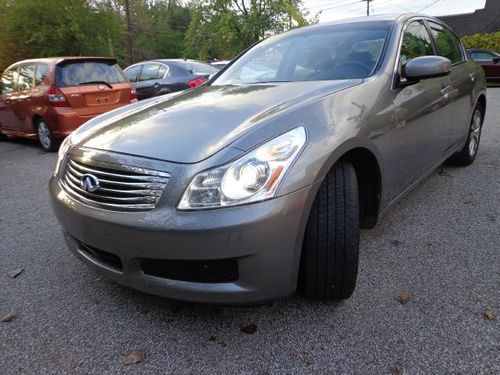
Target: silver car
{"points": [[255, 185]]}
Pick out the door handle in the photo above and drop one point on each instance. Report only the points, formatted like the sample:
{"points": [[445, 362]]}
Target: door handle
{"points": [[445, 91], [156, 85]]}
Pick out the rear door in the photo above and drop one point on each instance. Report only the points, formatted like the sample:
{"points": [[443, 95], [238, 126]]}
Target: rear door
{"points": [[8, 98], [93, 86], [148, 83], [462, 79], [23, 105], [417, 142]]}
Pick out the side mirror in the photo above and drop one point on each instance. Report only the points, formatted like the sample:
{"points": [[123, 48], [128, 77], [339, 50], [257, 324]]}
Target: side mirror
{"points": [[426, 67], [496, 60]]}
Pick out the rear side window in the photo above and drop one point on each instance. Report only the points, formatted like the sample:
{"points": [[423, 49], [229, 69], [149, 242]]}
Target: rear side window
{"points": [[149, 71], [416, 42], [447, 44], [9, 81], [198, 68], [85, 72], [162, 71], [40, 74], [133, 72], [26, 77]]}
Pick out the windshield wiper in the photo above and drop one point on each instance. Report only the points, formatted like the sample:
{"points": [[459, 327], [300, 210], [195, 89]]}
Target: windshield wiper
{"points": [[96, 83]]}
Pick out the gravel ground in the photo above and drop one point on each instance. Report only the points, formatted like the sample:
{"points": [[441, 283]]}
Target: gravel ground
{"points": [[441, 244]]}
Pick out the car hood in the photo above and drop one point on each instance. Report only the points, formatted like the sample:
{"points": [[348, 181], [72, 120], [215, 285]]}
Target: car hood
{"points": [[192, 126]]}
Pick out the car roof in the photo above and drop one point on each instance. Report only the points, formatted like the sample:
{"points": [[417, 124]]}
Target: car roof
{"points": [[168, 61], [59, 60], [391, 17]]}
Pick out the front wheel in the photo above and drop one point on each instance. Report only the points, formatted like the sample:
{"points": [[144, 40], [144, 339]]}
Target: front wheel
{"points": [[45, 137], [329, 263], [468, 153]]}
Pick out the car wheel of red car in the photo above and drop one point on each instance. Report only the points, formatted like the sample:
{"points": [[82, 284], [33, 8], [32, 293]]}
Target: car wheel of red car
{"points": [[330, 250], [45, 136]]}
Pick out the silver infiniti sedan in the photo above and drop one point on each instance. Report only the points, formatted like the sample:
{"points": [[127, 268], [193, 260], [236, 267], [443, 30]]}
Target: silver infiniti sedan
{"points": [[255, 184]]}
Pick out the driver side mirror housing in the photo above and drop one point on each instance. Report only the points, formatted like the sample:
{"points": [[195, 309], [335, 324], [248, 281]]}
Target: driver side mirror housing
{"points": [[496, 60], [424, 67]]}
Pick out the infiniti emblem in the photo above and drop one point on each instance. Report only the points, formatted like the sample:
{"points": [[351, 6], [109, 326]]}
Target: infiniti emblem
{"points": [[89, 183]]}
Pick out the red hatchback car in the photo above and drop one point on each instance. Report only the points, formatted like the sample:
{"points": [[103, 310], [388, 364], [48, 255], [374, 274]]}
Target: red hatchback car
{"points": [[49, 98]]}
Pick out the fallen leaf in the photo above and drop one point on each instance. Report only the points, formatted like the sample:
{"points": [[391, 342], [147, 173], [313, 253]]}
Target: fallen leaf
{"points": [[491, 165], [403, 298], [9, 316], [489, 314], [444, 172], [133, 357], [468, 199], [249, 329], [14, 273], [396, 370]]}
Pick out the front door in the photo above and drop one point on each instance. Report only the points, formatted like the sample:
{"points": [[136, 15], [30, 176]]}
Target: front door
{"points": [[420, 112], [7, 99]]}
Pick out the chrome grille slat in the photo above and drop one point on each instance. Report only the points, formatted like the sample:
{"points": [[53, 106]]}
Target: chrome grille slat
{"points": [[142, 192], [96, 171], [121, 188], [144, 185]]}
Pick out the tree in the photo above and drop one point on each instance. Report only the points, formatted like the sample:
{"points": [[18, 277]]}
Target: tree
{"points": [[223, 28]]}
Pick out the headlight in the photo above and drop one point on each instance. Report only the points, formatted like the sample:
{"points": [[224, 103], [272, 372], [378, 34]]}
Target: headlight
{"points": [[62, 152], [253, 177]]}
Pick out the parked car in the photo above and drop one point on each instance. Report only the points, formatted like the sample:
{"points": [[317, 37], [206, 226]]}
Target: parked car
{"points": [[49, 98], [490, 61], [220, 64], [159, 77], [249, 187]]}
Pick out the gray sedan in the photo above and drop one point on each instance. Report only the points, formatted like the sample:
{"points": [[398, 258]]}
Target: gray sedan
{"points": [[257, 183]]}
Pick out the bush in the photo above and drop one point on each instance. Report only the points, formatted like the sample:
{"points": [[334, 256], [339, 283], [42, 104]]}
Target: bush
{"points": [[489, 41]]}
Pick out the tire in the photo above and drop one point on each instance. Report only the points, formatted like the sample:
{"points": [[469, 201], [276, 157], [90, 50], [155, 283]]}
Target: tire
{"points": [[330, 250], [468, 153], [45, 138]]}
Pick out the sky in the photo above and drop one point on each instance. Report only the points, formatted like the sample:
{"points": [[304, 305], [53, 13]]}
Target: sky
{"points": [[330, 10]]}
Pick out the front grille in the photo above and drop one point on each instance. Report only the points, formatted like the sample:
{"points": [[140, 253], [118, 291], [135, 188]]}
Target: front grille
{"points": [[198, 271], [121, 188], [108, 259]]}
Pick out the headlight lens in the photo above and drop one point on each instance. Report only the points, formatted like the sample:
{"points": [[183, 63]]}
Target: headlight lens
{"points": [[62, 152], [253, 177]]}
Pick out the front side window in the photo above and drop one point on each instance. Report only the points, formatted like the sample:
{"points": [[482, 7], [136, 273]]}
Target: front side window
{"points": [[149, 71], [9, 81], [341, 51], [416, 42], [26, 77], [447, 44]]}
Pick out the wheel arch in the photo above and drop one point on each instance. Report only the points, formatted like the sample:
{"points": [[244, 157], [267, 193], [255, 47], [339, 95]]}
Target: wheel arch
{"points": [[367, 163]]}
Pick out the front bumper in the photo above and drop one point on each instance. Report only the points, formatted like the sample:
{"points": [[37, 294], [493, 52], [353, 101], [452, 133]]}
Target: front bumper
{"points": [[264, 238]]}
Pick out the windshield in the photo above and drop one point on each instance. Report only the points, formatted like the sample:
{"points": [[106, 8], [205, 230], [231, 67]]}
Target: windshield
{"points": [[322, 53], [75, 73]]}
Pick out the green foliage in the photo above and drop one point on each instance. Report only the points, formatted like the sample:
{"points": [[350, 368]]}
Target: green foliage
{"points": [[223, 28], [150, 29], [485, 41]]}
